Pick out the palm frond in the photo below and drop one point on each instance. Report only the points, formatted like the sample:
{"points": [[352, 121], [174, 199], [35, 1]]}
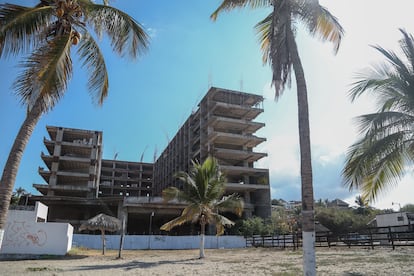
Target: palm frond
{"points": [[384, 123], [190, 213], [46, 73], [407, 45], [372, 163], [231, 203], [280, 50], [21, 28], [126, 34], [228, 5], [170, 193], [220, 222], [320, 22], [216, 189], [388, 172], [190, 186], [375, 78], [396, 62], [263, 30], [203, 194], [93, 60]]}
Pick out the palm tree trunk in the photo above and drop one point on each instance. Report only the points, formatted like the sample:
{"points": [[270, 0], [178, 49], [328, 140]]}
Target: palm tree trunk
{"points": [[103, 241], [13, 161], [308, 219], [202, 236], [121, 239]]}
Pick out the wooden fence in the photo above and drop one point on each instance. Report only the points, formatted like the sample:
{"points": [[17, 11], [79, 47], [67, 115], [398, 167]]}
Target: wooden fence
{"points": [[370, 237]]}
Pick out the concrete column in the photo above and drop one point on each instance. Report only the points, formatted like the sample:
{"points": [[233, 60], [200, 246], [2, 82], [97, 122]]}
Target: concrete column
{"points": [[247, 197], [247, 214], [55, 163]]}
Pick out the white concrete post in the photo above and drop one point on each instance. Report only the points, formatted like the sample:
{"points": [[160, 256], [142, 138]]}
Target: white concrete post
{"points": [[309, 265], [1, 237]]}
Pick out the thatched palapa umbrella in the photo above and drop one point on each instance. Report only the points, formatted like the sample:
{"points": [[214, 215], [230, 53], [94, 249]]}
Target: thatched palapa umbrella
{"points": [[103, 223]]}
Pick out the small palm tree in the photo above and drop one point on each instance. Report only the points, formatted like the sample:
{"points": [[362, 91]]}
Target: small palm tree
{"points": [[359, 200], [362, 204], [204, 187], [49, 31], [16, 195], [380, 157], [277, 35]]}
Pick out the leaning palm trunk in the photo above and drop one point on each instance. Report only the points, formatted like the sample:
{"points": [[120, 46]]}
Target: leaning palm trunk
{"points": [[13, 161], [308, 220]]}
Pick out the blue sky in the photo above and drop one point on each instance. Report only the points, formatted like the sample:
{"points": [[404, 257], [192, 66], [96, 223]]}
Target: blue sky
{"points": [[151, 97]]}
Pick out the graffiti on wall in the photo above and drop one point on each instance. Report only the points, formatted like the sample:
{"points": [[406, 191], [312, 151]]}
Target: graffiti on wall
{"points": [[19, 234]]}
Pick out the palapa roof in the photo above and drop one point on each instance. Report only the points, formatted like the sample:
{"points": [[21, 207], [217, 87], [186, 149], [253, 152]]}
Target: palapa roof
{"points": [[101, 222], [321, 228]]}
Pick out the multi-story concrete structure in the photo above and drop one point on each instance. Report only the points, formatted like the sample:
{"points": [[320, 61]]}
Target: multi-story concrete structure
{"points": [[223, 127], [126, 179], [81, 183], [73, 162]]}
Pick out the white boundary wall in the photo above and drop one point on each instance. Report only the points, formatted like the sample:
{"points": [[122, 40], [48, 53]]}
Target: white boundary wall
{"points": [[158, 242], [24, 235]]}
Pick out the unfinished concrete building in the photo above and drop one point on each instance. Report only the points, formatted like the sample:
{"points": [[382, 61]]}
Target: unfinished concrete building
{"points": [[223, 126], [123, 178], [73, 162], [81, 184]]}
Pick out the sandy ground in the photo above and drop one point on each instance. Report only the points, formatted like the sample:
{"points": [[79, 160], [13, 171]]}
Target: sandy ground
{"points": [[251, 261]]}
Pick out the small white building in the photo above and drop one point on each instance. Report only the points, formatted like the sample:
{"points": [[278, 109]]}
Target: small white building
{"points": [[28, 232], [394, 219]]}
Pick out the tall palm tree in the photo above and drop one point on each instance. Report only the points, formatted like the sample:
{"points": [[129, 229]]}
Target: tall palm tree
{"points": [[381, 156], [277, 36], [204, 187], [49, 31]]}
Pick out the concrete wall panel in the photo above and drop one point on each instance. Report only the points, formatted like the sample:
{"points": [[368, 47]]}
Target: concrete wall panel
{"points": [[158, 242], [24, 237]]}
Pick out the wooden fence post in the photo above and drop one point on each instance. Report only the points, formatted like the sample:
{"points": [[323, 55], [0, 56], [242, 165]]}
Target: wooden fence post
{"points": [[370, 238], [391, 238]]}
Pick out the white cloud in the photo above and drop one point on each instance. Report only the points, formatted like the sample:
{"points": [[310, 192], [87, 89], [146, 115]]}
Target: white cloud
{"points": [[283, 157]]}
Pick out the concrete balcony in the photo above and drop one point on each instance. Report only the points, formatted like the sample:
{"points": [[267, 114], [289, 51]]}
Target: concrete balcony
{"points": [[239, 155], [235, 139], [67, 162], [69, 190], [235, 125], [239, 187], [236, 170], [69, 148], [235, 111]]}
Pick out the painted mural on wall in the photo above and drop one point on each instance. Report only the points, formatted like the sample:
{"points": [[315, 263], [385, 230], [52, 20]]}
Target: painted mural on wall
{"points": [[20, 234]]}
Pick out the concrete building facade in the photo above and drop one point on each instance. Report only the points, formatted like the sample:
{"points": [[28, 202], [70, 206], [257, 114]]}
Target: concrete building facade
{"points": [[81, 184], [223, 126], [73, 162]]}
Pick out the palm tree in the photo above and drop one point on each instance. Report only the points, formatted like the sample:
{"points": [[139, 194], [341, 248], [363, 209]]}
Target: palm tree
{"points": [[362, 204], [277, 36], [204, 187], [359, 200], [382, 154], [49, 31], [16, 195]]}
